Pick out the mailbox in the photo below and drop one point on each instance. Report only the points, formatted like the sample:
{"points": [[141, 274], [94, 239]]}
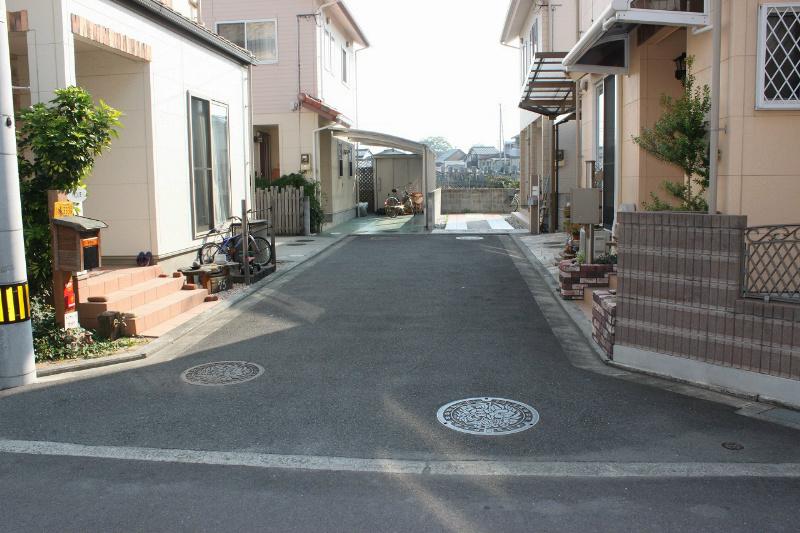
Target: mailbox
{"points": [[76, 243]]}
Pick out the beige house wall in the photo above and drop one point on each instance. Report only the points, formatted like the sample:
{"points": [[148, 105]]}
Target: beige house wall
{"points": [[759, 165]]}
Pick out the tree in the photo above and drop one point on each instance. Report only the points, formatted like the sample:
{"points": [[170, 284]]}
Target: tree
{"points": [[680, 137], [57, 145], [439, 145]]}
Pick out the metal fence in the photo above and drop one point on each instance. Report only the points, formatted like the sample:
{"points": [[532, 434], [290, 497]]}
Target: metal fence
{"points": [[772, 263]]}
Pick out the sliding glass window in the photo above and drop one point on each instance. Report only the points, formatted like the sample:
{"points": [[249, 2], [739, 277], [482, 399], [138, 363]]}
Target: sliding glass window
{"points": [[210, 154]]}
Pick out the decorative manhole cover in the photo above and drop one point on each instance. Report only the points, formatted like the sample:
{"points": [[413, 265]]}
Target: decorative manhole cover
{"points": [[488, 416], [222, 373], [469, 238], [296, 244]]}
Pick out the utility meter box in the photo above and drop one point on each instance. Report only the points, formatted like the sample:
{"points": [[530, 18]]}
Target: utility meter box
{"points": [[76, 243], [587, 206]]}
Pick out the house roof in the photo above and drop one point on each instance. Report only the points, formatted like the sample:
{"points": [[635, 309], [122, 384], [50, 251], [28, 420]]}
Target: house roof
{"points": [[447, 154], [350, 23], [391, 152], [363, 153], [483, 150], [168, 16], [516, 15]]}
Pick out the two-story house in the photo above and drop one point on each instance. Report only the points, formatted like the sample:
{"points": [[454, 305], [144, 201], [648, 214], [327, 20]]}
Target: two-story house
{"points": [[304, 82], [544, 33]]}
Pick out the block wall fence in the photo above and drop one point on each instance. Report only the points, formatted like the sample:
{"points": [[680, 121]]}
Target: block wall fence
{"points": [[679, 293]]}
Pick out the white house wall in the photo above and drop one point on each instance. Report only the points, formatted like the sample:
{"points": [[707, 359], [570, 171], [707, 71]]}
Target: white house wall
{"points": [[179, 66]]}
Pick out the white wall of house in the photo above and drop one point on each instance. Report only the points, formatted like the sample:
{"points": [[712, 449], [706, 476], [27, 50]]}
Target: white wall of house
{"points": [[333, 90], [142, 186]]}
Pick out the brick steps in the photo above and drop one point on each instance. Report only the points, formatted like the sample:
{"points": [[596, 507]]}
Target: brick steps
{"points": [[150, 315], [106, 282], [130, 297], [177, 320]]}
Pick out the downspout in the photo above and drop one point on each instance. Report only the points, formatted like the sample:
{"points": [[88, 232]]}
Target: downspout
{"points": [[578, 132], [716, 38], [617, 146], [250, 186]]}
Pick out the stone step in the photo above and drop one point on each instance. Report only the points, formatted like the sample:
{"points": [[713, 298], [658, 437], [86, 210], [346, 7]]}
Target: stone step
{"points": [[109, 281], [129, 298], [150, 315]]}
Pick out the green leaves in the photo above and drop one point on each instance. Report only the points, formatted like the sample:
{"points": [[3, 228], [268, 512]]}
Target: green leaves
{"points": [[680, 137], [57, 145]]}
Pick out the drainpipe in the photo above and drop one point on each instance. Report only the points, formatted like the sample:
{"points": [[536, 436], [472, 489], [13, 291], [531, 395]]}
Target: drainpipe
{"points": [[716, 37], [16, 338]]}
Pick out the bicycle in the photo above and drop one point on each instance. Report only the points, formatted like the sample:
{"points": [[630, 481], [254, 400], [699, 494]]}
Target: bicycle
{"points": [[514, 202], [259, 249]]}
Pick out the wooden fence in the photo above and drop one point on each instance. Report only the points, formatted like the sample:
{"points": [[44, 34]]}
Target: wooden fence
{"points": [[287, 212]]}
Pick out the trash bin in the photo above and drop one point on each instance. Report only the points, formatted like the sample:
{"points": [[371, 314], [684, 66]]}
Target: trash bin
{"points": [[362, 209]]}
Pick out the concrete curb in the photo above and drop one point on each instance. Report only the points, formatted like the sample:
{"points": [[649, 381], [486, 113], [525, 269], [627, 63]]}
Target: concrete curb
{"points": [[169, 338]]}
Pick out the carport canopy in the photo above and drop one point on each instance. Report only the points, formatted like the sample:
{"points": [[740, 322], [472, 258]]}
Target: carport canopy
{"points": [[373, 138]]}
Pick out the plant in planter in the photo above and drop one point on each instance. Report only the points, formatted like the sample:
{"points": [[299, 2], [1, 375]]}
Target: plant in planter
{"points": [[680, 137]]}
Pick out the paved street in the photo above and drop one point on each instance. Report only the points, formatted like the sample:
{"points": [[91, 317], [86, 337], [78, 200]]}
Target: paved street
{"points": [[360, 347]]}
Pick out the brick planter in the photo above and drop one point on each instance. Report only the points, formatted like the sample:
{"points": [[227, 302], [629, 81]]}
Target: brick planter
{"points": [[604, 319], [574, 277]]}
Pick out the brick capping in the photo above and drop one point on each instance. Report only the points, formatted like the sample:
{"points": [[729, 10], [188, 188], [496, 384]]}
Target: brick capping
{"points": [[574, 277], [604, 318], [680, 294], [108, 37]]}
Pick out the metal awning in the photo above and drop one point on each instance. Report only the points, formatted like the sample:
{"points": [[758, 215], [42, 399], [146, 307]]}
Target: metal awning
{"points": [[603, 48], [548, 90]]}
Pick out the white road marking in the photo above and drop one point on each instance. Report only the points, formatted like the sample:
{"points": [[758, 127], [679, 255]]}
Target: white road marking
{"points": [[499, 224], [401, 466]]}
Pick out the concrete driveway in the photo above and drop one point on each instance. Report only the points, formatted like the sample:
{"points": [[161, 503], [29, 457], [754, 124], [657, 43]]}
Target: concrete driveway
{"points": [[360, 347]]}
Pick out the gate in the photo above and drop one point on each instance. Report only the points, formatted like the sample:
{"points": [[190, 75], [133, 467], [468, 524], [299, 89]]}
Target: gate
{"points": [[287, 208], [366, 184]]}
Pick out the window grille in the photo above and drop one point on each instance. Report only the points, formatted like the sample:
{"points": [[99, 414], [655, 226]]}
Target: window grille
{"points": [[779, 56]]}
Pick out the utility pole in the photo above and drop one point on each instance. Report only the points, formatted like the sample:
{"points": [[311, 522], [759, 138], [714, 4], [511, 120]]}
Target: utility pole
{"points": [[16, 338]]}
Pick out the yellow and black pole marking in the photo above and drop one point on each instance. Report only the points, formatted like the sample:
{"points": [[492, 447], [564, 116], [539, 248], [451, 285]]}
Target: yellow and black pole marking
{"points": [[15, 303]]}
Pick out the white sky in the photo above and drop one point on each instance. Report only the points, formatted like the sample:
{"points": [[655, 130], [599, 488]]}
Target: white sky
{"points": [[436, 67]]}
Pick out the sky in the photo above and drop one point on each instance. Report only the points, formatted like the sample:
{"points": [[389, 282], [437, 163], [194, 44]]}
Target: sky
{"points": [[436, 68]]}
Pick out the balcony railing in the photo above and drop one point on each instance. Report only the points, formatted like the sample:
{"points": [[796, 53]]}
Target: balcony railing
{"points": [[772, 263], [692, 6]]}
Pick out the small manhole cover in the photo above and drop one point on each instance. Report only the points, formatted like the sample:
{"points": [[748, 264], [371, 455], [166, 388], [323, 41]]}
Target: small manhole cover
{"points": [[733, 446], [305, 240], [488, 416], [469, 238], [296, 244], [222, 373]]}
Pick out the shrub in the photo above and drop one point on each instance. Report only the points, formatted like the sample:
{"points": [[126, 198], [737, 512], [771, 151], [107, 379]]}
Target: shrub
{"points": [[52, 343], [680, 137], [57, 144]]}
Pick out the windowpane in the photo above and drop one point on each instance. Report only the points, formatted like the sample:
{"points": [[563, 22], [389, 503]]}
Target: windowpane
{"points": [[221, 163], [233, 31], [261, 40], [201, 164], [344, 66], [780, 57]]}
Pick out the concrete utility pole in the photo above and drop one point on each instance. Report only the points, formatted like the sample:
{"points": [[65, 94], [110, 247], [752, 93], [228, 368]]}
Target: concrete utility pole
{"points": [[16, 339]]}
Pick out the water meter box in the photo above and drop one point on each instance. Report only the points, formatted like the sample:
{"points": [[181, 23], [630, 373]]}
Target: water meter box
{"points": [[77, 243]]}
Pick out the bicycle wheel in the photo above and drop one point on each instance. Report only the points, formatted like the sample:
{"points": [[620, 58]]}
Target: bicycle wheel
{"points": [[207, 252], [515, 205], [259, 251]]}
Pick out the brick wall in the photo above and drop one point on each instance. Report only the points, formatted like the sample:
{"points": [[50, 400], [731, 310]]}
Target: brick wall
{"points": [[679, 293]]}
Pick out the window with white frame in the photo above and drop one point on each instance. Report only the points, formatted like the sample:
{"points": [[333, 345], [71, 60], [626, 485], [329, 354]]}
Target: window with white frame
{"points": [[345, 65], [258, 36], [599, 125], [210, 158], [331, 56], [778, 74], [326, 49]]}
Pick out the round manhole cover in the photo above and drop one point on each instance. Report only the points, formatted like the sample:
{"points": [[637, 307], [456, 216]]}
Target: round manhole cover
{"points": [[222, 373], [296, 244], [469, 238], [488, 416]]}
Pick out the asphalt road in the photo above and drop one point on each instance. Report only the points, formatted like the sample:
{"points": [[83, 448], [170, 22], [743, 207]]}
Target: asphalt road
{"points": [[360, 348]]}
